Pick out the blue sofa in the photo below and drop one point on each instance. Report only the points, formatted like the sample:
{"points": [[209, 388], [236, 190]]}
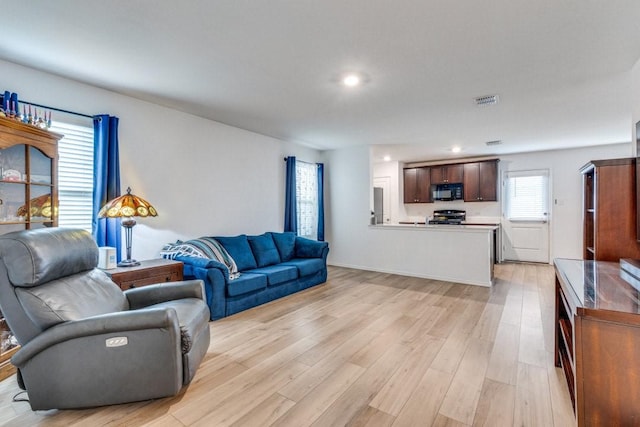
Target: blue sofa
{"points": [[271, 265]]}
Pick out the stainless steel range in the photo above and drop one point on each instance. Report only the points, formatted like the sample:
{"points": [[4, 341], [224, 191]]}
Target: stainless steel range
{"points": [[448, 216]]}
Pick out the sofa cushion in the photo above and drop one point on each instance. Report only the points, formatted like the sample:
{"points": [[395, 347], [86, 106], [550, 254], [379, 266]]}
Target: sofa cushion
{"points": [[239, 249], [285, 242], [306, 266], [247, 282], [277, 274], [264, 250]]}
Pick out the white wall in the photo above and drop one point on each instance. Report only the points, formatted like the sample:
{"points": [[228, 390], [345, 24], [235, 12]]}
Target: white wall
{"points": [[354, 244], [348, 211], [208, 178], [566, 189], [203, 177], [635, 99]]}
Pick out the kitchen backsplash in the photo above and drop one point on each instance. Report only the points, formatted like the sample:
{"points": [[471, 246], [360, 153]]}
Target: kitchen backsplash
{"points": [[480, 212]]}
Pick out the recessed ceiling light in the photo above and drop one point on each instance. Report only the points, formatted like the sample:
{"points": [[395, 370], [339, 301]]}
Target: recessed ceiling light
{"points": [[351, 80], [387, 158], [456, 149]]}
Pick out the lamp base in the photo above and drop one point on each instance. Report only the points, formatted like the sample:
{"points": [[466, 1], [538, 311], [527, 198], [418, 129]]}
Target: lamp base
{"points": [[128, 263]]}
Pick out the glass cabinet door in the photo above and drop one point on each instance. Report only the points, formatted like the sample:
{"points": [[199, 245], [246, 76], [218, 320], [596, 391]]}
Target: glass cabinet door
{"points": [[28, 196], [42, 210], [26, 190], [12, 188]]}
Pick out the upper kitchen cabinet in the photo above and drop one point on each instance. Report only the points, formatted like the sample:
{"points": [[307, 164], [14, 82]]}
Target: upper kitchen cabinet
{"points": [[446, 174], [481, 181], [417, 185]]}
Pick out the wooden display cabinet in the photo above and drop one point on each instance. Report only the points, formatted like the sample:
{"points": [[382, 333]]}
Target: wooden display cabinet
{"points": [[597, 341], [609, 210], [28, 195]]}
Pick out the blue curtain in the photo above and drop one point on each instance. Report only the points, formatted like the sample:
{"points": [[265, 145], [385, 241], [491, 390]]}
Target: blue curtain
{"points": [[290, 211], [320, 202], [106, 179]]}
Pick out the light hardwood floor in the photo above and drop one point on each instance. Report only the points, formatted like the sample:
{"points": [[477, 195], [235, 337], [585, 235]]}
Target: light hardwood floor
{"points": [[366, 349]]}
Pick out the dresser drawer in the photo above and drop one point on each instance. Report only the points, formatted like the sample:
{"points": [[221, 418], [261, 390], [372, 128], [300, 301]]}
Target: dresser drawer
{"points": [[150, 280], [147, 273]]}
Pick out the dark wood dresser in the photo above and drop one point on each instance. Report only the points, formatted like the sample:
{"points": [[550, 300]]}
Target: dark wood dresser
{"points": [[147, 273], [597, 341]]}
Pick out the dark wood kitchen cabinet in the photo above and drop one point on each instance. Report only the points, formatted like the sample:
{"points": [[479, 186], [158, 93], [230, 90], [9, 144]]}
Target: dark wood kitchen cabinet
{"points": [[609, 210], [417, 185], [446, 174], [481, 181]]}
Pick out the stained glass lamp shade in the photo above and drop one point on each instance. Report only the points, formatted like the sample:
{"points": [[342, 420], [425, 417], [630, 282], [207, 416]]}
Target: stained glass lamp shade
{"points": [[127, 207]]}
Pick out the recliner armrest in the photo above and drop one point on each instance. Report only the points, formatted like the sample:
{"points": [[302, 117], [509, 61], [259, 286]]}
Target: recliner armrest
{"points": [[162, 292], [120, 322]]}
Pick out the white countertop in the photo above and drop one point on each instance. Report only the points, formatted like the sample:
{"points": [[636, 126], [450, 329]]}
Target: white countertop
{"points": [[439, 227]]}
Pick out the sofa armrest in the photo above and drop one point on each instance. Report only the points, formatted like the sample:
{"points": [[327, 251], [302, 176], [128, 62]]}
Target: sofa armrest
{"points": [[166, 291], [195, 262], [121, 322], [307, 248]]}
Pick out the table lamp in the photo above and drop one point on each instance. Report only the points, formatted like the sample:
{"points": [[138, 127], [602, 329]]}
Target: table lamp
{"points": [[127, 207]]}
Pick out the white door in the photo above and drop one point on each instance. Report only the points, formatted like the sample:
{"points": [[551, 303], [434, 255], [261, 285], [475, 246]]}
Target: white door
{"points": [[525, 221], [384, 183]]}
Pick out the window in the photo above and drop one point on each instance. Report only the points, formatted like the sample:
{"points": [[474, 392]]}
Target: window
{"points": [[527, 195], [307, 199], [75, 175]]}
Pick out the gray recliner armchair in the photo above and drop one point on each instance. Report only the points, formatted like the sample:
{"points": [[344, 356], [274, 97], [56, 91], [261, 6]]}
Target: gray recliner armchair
{"points": [[85, 342]]}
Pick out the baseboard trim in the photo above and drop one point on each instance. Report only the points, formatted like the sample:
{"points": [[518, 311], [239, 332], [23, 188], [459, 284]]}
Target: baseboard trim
{"points": [[404, 273]]}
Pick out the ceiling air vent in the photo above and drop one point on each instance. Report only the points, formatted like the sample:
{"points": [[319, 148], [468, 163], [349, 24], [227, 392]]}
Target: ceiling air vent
{"points": [[487, 100], [496, 142]]}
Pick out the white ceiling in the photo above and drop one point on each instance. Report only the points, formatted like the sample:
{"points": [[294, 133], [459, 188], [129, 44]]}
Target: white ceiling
{"points": [[560, 67]]}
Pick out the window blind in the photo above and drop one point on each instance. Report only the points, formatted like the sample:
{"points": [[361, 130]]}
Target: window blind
{"points": [[307, 199], [75, 175], [527, 197]]}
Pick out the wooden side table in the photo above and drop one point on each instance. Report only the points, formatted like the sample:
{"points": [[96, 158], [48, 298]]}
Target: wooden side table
{"points": [[147, 273]]}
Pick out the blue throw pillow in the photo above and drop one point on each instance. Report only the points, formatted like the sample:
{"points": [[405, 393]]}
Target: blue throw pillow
{"points": [[264, 250], [285, 242], [239, 249]]}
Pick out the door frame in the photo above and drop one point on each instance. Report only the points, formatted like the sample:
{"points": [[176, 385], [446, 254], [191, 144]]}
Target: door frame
{"points": [[384, 182], [549, 213]]}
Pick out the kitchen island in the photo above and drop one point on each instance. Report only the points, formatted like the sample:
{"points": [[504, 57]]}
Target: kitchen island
{"points": [[453, 253]]}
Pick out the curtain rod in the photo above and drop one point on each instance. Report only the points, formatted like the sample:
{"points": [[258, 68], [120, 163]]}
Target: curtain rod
{"points": [[301, 161], [56, 109]]}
